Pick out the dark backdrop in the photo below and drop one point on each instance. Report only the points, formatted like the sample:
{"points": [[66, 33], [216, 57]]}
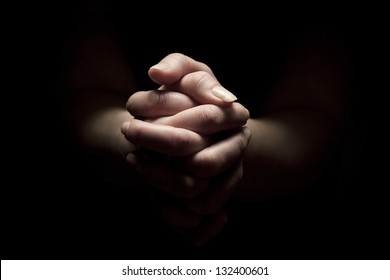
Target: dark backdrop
{"points": [[55, 205]]}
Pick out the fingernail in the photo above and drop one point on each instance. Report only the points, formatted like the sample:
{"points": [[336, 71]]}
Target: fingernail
{"points": [[223, 94], [161, 66], [125, 127]]}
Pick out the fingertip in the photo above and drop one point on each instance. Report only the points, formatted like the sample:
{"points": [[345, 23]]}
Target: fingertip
{"points": [[131, 159], [125, 127], [162, 66], [161, 73], [247, 132], [223, 94]]}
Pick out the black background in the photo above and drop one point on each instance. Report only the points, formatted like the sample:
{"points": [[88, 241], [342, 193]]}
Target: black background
{"points": [[56, 207]]}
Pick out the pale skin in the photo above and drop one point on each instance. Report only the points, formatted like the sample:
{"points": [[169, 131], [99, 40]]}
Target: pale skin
{"points": [[182, 120], [222, 152]]}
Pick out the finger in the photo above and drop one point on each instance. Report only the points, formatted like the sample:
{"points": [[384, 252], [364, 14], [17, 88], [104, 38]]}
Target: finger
{"points": [[175, 66], [164, 139], [207, 119], [155, 103], [219, 156], [215, 197], [165, 178], [204, 88]]}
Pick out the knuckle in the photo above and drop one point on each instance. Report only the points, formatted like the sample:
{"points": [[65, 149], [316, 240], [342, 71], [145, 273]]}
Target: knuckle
{"points": [[209, 115], [207, 165], [203, 78], [198, 79], [180, 142], [177, 56], [157, 100]]}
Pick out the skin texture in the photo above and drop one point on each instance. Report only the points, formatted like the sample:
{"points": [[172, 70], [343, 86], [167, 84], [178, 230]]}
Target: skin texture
{"points": [[191, 142], [203, 137]]}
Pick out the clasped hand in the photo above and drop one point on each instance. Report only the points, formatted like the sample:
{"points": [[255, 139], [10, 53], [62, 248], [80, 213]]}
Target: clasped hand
{"points": [[191, 136]]}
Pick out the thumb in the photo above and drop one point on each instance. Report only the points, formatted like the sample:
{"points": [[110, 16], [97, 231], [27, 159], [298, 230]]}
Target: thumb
{"points": [[181, 73], [175, 66]]}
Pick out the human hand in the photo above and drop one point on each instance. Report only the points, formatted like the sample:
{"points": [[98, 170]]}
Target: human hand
{"points": [[193, 120]]}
